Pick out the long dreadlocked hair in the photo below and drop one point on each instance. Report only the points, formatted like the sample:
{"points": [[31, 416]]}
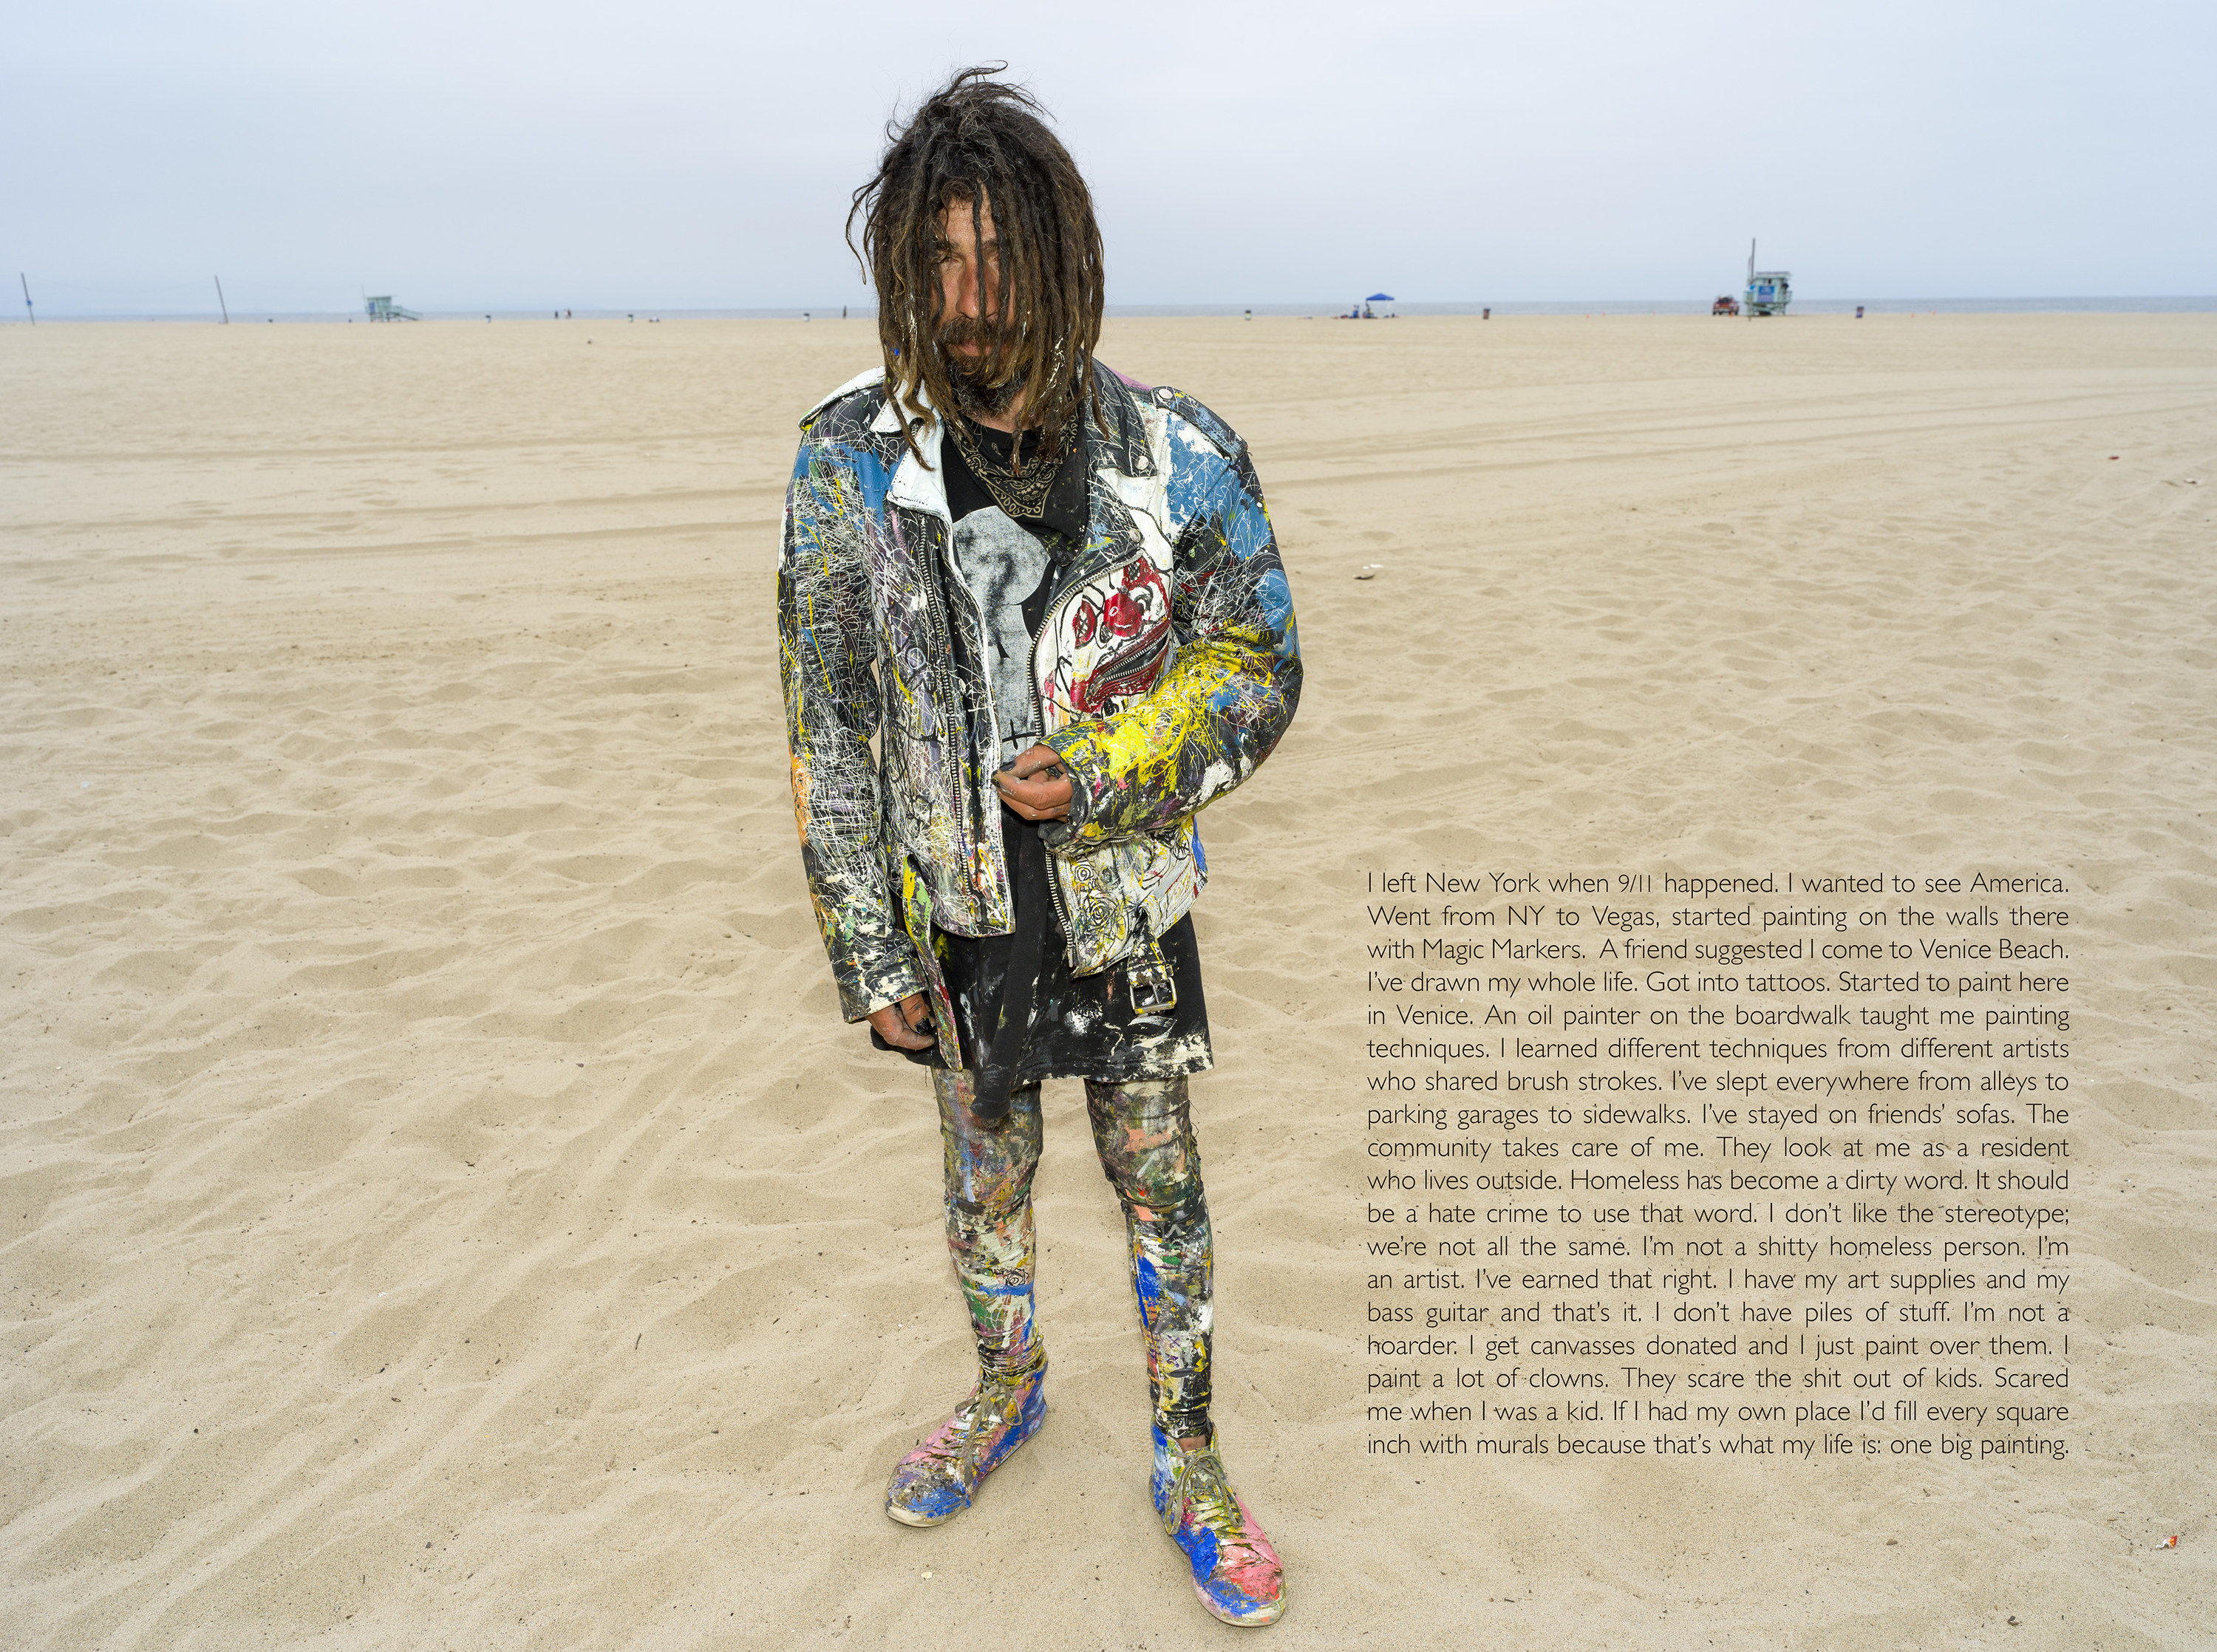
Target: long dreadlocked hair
{"points": [[981, 142]]}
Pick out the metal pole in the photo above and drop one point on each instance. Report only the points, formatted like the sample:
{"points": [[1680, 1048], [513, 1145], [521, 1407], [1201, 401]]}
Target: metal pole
{"points": [[27, 296], [219, 303]]}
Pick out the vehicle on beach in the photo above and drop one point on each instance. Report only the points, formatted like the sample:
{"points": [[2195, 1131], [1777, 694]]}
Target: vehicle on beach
{"points": [[1726, 305]]}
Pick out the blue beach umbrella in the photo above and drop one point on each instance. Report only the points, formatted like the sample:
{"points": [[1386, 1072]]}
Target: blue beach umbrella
{"points": [[1380, 298]]}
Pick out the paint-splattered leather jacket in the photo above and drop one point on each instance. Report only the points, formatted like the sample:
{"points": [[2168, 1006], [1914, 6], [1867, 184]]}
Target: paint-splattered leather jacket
{"points": [[1166, 667]]}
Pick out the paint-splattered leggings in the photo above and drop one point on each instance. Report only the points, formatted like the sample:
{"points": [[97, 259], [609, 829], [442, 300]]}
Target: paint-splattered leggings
{"points": [[1144, 1132]]}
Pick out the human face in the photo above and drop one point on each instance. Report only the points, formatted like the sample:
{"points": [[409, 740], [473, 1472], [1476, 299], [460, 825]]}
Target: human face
{"points": [[969, 280]]}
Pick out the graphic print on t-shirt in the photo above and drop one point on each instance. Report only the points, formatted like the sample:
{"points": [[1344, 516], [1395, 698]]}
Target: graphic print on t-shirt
{"points": [[1002, 564]]}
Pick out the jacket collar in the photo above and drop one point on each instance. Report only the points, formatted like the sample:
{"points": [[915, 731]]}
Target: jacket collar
{"points": [[861, 380], [912, 484], [1117, 426], [1117, 433]]}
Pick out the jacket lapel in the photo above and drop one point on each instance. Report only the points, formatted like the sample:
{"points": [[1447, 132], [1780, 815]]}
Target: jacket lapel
{"points": [[913, 485]]}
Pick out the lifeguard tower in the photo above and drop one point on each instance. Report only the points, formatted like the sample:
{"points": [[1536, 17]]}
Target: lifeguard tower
{"points": [[1768, 291], [382, 308]]}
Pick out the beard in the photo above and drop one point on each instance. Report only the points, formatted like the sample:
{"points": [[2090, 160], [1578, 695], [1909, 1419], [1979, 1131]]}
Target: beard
{"points": [[973, 375]]}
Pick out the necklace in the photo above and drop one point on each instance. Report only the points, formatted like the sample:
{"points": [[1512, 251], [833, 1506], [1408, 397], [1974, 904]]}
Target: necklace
{"points": [[1019, 493]]}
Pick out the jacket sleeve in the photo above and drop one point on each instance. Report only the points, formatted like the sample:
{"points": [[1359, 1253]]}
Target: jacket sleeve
{"points": [[827, 644], [1230, 690]]}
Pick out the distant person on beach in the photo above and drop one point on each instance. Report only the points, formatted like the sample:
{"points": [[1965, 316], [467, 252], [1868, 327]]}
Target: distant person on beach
{"points": [[1052, 597]]}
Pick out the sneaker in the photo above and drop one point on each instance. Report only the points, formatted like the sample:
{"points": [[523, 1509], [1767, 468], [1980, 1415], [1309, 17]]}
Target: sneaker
{"points": [[939, 1479], [1235, 1570]]}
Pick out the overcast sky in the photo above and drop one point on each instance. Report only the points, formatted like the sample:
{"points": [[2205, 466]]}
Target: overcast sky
{"points": [[681, 154]]}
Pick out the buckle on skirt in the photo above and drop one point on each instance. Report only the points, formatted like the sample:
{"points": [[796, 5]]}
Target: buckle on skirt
{"points": [[1154, 988]]}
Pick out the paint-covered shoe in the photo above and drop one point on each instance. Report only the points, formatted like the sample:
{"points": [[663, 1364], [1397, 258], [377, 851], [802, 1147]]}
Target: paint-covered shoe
{"points": [[940, 1479], [1235, 1570]]}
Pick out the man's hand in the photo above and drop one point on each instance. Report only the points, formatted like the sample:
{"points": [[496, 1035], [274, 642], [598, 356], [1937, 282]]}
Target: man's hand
{"points": [[906, 1025], [1035, 785]]}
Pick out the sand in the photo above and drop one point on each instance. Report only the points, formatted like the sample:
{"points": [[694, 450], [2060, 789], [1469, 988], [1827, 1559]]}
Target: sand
{"points": [[439, 1207]]}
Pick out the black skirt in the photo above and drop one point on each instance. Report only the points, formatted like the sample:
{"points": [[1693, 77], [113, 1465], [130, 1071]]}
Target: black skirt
{"points": [[1073, 1026]]}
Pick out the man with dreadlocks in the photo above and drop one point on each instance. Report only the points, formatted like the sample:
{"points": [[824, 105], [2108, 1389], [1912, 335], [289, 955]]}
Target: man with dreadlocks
{"points": [[1052, 597]]}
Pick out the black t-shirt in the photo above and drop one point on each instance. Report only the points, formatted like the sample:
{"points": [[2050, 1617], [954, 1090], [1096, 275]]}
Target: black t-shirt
{"points": [[1064, 510], [1008, 564]]}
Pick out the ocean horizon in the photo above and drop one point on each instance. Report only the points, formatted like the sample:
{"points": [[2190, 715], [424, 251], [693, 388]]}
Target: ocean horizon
{"points": [[1322, 309]]}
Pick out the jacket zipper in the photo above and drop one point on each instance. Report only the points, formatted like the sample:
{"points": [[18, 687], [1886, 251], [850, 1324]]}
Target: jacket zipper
{"points": [[942, 667], [1039, 713]]}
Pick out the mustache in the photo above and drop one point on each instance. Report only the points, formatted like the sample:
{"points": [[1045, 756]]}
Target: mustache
{"points": [[958, 332]]}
